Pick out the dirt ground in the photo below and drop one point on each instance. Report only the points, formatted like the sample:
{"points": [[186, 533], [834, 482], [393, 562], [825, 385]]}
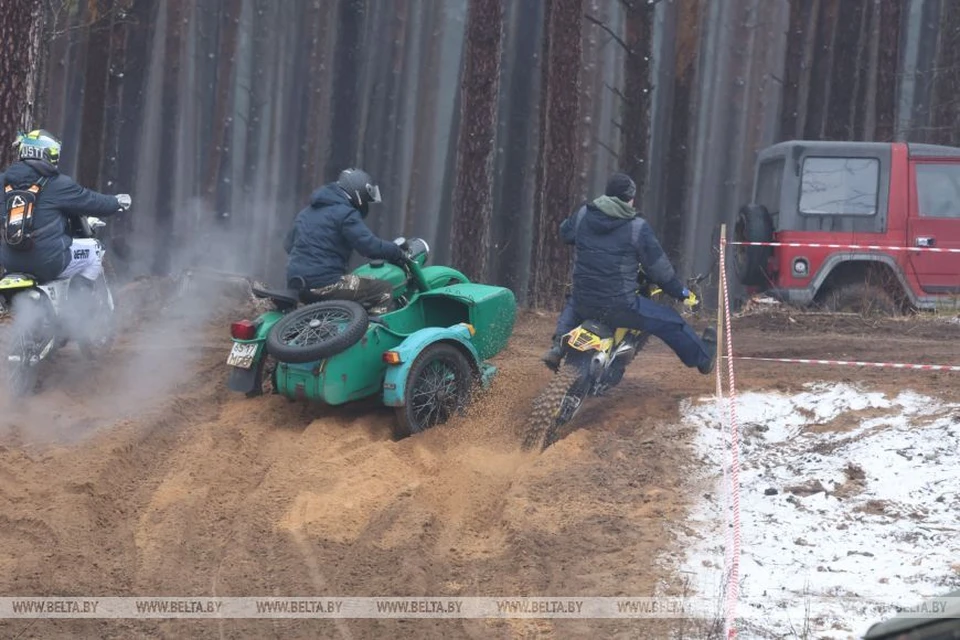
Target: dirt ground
{"points": [[144, 475]]}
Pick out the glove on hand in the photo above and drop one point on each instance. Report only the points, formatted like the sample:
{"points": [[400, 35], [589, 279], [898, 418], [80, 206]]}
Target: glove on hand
{"points": [[400, 258], [124, 200], [690, 300]]}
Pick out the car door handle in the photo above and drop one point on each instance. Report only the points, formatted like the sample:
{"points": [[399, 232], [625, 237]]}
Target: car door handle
{"points": [[926, 242]]}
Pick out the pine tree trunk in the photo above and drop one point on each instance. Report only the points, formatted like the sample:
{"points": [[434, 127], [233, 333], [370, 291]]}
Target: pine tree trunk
{"points": [[142, 20], [821, 81], [96, 77], [215, 195], [346, 86], [314, 98], [75, 64], [888, 68], [681, 125], [872, 73], [559, 158], [790, 106], [539, 223], [19, 62], [389, 159], [804, 88], [254, 189], [636, 91], [511, 222], [113, 102], [479, 91], [847, 42], [945, 105], [590, 73], [169, 115], [425, 125]]}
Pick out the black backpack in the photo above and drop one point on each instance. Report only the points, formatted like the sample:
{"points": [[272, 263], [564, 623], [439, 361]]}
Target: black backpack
{"points": [[18, 213]]}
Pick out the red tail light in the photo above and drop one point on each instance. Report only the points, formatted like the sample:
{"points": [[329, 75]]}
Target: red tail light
{"points": [[243, 330]]}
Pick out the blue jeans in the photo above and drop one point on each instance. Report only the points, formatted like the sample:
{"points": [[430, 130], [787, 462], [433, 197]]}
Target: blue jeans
{"points": [[646, 315]]}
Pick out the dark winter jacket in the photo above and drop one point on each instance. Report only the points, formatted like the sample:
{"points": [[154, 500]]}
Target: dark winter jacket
{"points": [[612, 242], [59, 199], [325, 234]]}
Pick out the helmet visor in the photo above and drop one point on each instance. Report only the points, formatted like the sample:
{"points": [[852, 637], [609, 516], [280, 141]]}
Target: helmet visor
{"points": [[374, 192]]}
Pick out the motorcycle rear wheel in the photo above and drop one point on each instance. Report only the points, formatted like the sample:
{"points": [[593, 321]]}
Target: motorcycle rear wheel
{"points": [[550, 412]]}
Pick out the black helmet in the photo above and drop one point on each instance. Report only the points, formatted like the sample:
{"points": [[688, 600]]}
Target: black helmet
{"points": [[359, 186], [39, 144]]}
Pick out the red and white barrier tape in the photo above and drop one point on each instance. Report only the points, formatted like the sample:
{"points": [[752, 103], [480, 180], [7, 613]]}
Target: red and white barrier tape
{"points": [[853, 363], [721, 411], [732, 548], [819, 245]]}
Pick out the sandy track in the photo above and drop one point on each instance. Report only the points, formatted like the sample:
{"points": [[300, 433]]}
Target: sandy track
{"points": [[173, 486]]}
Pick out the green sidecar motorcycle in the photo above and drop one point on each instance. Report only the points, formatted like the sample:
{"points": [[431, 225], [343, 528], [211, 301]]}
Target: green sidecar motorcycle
{"points": [[425, 358]]}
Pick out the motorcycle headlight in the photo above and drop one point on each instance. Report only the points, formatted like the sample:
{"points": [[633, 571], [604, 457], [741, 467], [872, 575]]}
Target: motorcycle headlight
{"points": [[418, 247]]}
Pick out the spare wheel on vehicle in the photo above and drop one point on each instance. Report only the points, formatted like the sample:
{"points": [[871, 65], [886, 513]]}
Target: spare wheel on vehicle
{"points": [[317, 331], [754, 224]]}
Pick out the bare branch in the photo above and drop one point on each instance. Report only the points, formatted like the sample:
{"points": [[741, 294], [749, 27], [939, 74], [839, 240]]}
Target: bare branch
{"points": [[613, 153], [117, 13], [617, 92], [613, 35]]}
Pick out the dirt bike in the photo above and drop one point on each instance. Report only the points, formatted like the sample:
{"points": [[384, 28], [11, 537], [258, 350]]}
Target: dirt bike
{"points": [[594, 359], [46, 316]]}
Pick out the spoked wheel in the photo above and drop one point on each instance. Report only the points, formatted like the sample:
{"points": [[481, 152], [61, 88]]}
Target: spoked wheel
{"points": [[438, 387], [317, 331], [554, 407], [31, 332], [97, 327], [21, 370]]}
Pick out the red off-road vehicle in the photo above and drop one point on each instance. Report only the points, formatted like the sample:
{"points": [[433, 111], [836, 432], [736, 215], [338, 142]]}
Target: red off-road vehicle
{"points": [[900, 195]]}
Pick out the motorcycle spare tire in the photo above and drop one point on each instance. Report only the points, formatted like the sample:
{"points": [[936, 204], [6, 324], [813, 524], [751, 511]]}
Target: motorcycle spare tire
{"points": [[305, 335], [754, 224]]}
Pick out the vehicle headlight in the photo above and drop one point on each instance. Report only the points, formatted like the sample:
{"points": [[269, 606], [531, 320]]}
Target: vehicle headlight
{"points": [[801, 267]]}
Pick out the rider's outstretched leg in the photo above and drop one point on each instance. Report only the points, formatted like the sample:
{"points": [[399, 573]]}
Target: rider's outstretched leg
{"points": [[669, 326]]}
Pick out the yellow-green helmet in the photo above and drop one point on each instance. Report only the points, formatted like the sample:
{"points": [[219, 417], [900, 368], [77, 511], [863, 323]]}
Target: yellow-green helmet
{"points": [[39, 144]]}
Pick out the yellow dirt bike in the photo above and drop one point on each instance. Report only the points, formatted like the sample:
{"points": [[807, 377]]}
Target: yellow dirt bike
{"points": [[594, 360]]}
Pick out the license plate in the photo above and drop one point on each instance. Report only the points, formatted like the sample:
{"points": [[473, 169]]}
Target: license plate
{"points": [[242, 355]]}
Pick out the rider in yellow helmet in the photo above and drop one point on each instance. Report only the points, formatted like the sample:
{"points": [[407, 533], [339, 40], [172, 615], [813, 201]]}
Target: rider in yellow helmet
{"points": [[47, 250]]}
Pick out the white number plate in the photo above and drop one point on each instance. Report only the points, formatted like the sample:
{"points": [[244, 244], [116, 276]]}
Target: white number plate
{"points": [[242, 355]]}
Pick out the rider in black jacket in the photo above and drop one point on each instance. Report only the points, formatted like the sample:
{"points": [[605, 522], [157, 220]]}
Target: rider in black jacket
{"points": [[54, 252], [324, 236], [612, 243]]}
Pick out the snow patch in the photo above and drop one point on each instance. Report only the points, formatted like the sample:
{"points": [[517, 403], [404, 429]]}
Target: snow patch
{"points": [[844, 493]]}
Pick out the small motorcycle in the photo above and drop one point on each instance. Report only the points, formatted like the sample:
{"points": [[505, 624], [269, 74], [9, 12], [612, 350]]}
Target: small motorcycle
{"points": [[46, 316], [595, 357]]}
